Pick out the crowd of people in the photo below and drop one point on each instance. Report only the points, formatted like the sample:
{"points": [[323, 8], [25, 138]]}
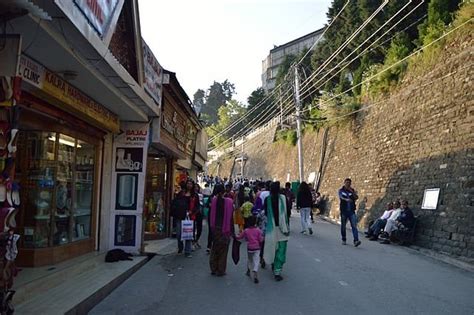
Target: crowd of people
{"points": [[255, 210], [258, 212]]}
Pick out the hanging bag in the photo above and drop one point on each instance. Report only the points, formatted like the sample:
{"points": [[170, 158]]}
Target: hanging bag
{"points": [[187, 228]]}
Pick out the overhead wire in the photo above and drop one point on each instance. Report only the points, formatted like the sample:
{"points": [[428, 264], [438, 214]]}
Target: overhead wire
{"points": [[261, 103]]}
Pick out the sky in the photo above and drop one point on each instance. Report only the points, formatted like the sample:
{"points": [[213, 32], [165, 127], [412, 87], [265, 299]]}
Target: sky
{"points": [[212, 40]]}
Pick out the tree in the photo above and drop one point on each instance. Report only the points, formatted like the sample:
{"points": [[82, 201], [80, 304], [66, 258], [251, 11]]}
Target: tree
{"points": [[255, 99], [218, 95], [227, 114]]}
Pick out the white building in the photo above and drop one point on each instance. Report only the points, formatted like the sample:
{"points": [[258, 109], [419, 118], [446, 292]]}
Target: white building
{"points": [[277, 55]]}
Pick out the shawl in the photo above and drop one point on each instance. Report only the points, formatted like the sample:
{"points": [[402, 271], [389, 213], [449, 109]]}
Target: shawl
{"points": [[274, 235], [228, 212]]}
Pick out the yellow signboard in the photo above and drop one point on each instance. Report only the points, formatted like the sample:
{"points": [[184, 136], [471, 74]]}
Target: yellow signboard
{"points": [[78, 101]]}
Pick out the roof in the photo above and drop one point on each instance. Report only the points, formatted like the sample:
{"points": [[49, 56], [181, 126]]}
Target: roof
{"points": [[188, 107], [294, 41]]}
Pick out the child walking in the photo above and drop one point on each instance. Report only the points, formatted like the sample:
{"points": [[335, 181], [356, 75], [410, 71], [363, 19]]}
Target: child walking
{"points": [[254, 237]]}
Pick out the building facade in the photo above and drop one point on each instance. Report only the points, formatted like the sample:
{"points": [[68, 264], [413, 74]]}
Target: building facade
{"points": [[96, 136], [277, 55]]}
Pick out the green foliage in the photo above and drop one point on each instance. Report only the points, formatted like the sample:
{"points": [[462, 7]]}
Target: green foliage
{"points": [[339, 109], [226, 115], [284, 68], [287, 136], [440, 14], [400, 47], [255, 98], [218, 95]]}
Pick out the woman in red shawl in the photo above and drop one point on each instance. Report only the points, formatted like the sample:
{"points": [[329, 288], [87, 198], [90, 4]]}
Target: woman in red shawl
{"points": [[222, 228]]}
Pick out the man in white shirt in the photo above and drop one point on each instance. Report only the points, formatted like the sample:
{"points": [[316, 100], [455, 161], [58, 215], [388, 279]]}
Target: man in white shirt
{"points": [[392, 220], [379, 224]]}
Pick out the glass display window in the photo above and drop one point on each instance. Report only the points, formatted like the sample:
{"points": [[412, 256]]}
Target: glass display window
{"points": [[57, 173], [155, 197]]}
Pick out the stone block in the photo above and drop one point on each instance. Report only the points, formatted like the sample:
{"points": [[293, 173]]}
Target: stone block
{"points": [[457, 237]]}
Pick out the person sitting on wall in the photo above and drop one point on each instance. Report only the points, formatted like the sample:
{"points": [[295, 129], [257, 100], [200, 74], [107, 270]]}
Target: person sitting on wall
{"points": [[375, 229], [405, 220]]}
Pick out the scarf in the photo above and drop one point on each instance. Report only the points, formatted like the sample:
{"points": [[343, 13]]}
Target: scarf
{"points": [[283, 223], [228, 211]]}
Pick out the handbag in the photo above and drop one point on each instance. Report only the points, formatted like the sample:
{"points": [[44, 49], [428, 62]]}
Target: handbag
{"points": [[236, 251], [187, 228]]}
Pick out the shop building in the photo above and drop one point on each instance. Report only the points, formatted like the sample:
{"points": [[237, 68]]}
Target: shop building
{"points": [[83, 79], [171, 155]]}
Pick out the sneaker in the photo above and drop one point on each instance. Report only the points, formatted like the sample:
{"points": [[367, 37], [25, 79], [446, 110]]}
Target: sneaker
{"points": [[255, 280], [310, 231], [247, 273], [188, 255], [303, 232], [208, 250], [180, 251], [278, 278], [198, 245], [357, 243], [344, 243]]}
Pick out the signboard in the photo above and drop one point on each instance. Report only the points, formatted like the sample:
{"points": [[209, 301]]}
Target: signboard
{"points": [[32, 72], [153, 74], [99, 13], [128, 185], [80, 102], [430, 199]]}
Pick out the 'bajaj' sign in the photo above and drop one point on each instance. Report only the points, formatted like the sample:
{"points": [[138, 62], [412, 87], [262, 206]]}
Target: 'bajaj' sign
{"points": [[98, 12]]}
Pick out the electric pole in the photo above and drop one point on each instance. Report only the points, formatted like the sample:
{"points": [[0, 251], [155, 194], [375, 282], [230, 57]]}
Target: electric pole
{"points": [[281, 109], [298, 125], [242, 160]]}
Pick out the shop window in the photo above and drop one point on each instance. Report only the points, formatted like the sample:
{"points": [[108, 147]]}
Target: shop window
{"points": [[58, 181], [155, 198]]}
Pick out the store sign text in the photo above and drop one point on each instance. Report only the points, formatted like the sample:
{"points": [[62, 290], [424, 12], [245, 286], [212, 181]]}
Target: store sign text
{"points": [[98, 12], [31, 72], [153, 74], [68, 94], [134, 135]]}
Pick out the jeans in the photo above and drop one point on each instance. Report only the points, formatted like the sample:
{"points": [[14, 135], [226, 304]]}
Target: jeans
{"points": [[187, 244], [305, 222], [374, 229], [353, 220]]}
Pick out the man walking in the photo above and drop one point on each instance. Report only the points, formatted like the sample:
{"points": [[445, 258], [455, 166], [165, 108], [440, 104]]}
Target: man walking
{"points": [[348, 196]]}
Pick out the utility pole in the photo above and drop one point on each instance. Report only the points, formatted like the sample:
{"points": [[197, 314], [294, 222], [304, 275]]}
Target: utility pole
{"points": [[242, 160], [298, 124], [281, 109]]}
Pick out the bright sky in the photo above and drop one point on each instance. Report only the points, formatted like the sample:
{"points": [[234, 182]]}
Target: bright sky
{"points": [[213, 40]]}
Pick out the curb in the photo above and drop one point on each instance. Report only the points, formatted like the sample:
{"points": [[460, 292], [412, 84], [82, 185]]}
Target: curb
{"points": [[88, 304], [423, 251]]}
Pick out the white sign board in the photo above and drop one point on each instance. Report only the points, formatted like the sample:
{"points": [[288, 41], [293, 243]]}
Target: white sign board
{"points": [[128, 186], [99, 13], [153, 74], [32, 72], [430, 199]]}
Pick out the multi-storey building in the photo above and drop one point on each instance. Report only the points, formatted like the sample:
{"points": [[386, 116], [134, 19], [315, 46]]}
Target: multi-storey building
{"points": [[277, 55]]}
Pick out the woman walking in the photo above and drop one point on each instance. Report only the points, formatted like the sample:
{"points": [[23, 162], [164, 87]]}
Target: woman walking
{"points": [[304, 203], [222, 228], [277, 230]]}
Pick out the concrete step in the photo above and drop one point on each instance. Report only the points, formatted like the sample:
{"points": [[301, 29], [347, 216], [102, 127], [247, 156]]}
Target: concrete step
{"points": [[30, 281], [75, 290]]}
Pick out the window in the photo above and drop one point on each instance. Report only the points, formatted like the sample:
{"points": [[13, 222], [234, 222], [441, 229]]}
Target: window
{"points": [[57, 175]]}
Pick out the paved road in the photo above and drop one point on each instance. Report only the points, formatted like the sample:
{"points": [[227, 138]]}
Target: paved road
{"points": [[321, 277]]}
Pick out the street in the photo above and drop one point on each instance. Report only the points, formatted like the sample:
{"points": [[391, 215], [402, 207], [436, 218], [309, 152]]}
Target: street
{"points": [[321, 276]]}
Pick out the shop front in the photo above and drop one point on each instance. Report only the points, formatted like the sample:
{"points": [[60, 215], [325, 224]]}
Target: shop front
{"points": [[57, 166]]}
